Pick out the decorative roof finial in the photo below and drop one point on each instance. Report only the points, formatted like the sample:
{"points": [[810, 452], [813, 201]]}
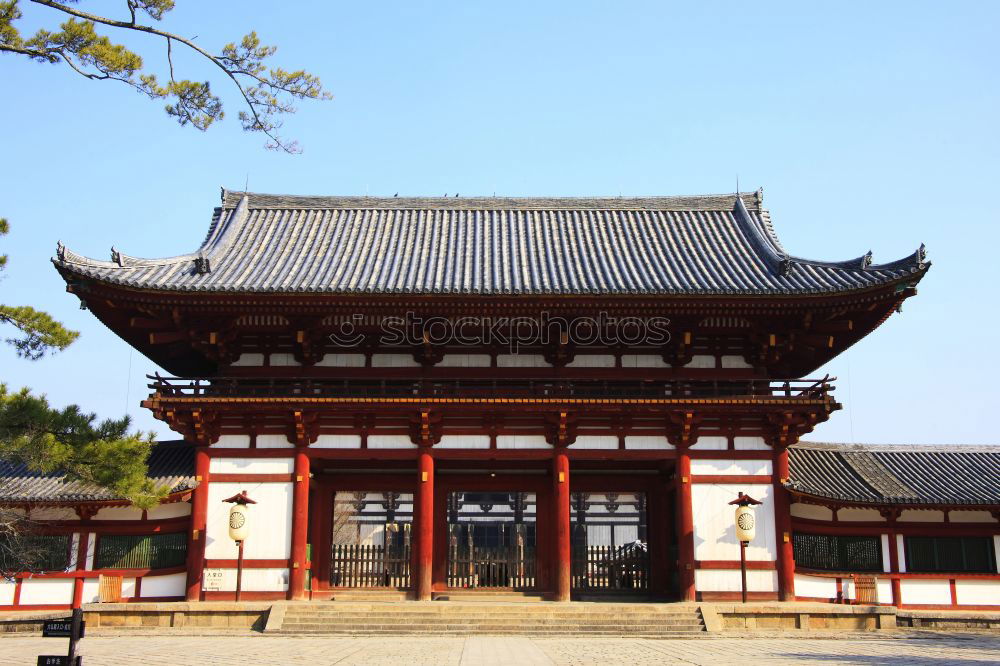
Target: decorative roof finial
{"points": [[202, 265], [116, 256], [866, 260], [921, 254], [60, 251]]}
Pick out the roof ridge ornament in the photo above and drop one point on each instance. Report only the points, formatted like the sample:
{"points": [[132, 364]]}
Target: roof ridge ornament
{"points": [[60, 251], [116, 256], [202, 265], [866, 260]]}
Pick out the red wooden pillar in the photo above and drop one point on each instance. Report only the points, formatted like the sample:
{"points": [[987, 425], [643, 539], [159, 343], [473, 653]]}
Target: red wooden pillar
{"points": [[321, 534], [897, 590], [783, 525], [81, 565], [560, 480], [685, 526], [424, 573], [300, 525], [196, 534]]}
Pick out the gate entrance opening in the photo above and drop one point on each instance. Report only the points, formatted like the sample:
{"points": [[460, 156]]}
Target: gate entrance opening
{"points": [[491, 540], [371, 539], [609, 543]]}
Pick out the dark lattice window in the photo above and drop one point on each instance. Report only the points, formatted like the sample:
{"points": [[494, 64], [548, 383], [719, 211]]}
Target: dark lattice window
{"points": [[837, 553], [127, 551], [950, 554], [35, 552]]}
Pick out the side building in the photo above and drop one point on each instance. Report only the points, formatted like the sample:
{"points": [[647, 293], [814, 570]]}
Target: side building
{"points": [[547, 396]]}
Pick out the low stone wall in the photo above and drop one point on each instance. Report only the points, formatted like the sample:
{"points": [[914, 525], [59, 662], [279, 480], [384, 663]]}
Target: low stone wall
{"points": [[206, 614], [757, 617], [970, 620]]}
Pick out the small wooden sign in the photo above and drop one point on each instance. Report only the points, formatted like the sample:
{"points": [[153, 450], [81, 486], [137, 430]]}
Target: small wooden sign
{"points": [[212, 580], [58, 660], [60, 629]]}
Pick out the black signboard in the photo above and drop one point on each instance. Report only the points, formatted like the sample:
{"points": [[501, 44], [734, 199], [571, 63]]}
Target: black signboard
{"points": [[60, 629], [58, 660]]}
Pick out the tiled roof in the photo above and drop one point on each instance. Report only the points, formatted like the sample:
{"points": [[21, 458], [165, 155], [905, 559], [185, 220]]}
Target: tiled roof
{"points": [[170, 463], [718, 244], [896, 474]]}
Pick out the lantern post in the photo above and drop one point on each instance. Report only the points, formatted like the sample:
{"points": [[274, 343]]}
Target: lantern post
{"points": [[746, 528], [238, 530]]}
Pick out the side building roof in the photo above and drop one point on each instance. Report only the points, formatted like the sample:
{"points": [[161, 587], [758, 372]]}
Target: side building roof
{"points": [[170, 463], [712, 245], [896, 474]]}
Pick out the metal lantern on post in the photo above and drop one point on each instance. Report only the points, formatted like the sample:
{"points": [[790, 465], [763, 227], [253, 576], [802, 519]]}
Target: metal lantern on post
{"points": [[746, 529], [239, 528]]}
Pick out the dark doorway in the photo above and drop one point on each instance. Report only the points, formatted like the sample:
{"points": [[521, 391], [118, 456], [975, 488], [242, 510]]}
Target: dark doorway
{"points": [[491, 540], [610, 543], [371, 539]]}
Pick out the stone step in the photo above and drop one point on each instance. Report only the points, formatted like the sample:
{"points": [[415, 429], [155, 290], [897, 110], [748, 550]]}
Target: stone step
{"points": [[509, 623], [362, 621], [351, 617], [625, 633]]}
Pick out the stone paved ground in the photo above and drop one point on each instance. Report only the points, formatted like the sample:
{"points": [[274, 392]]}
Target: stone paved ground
{"points": [[918, 650]]}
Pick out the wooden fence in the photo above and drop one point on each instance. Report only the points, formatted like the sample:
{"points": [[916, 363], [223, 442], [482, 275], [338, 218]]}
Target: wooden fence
{"points": [[370, 566], [511, 567], [610, 568]]}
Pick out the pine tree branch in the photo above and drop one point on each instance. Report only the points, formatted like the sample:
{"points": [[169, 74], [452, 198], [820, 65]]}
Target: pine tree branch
{"points": [[257, 124]]}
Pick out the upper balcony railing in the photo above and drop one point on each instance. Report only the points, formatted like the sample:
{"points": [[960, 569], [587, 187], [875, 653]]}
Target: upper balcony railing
{"points": [[283, 387]]}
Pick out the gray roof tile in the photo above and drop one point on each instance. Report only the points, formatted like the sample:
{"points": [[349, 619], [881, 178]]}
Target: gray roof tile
{"points": [[896, 474], [716, 244]]}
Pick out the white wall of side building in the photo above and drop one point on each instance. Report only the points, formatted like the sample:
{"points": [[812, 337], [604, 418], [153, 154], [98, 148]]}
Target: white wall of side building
{"points": [[270, 521], [714, 529]]}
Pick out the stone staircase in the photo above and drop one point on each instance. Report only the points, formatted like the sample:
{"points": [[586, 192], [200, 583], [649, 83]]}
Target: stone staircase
{"points": [[450, 618]]}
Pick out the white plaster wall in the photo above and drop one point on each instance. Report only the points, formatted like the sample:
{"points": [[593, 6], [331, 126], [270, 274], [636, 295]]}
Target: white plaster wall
{"points": [[522, 442], [711, 443], [750, 444], [232, 442], [91, 591], [283, 360], [521, 361], [270, 521], [42, 591], [729, 580], [735, 362], [342, 361], [592, 361], [119, 513], [251, 465], [53, 513], [925, 591], [921, 515], [811, 511], [643, 361], [128, 588], [647, 442], [74, 552], [465, 361], [249, 360], [390, 442], [971, 517], [815, 586], [714, 530], [256, 580], [394, 361], [883, 590], [337, 442], [886, 555], [996, 549], [901, 553], [170, 510], [731, 467], [977, 592], [595, 442], [274, 442], [849, 513], [173, 585], [463, 442], [6, 592], [701, 361], [91, 546]]}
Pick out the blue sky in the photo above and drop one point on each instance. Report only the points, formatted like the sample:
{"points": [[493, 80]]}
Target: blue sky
{"points": [[869, 126]]}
